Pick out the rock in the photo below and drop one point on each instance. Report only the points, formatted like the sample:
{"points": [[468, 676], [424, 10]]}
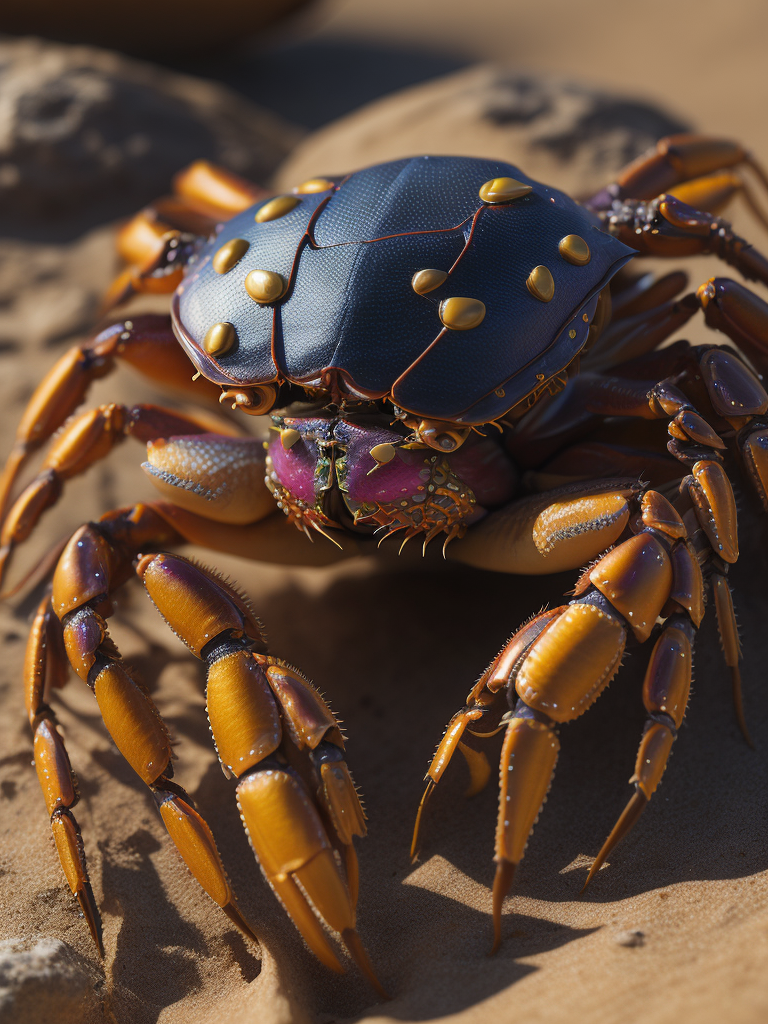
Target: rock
{"points": [[47, 980], [146, 28], [631, 938], [569, 135], [87, 135]]}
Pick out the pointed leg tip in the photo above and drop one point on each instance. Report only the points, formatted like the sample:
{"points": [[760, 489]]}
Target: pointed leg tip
{"points": [[502, 883], [747, 738], [5, 554], [357, 951], [91, 914], [592, 872], [233, 913]]}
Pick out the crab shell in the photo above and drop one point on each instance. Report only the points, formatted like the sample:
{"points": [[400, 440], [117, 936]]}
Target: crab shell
{"points": [[349, 313]]}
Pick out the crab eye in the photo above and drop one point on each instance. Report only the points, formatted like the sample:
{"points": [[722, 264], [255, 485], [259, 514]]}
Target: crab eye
{"points": [[255, 401], [443, 437]]}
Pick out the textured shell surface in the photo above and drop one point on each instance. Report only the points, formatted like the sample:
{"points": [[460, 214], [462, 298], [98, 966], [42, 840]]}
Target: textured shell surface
{"points": [[348, 256]]}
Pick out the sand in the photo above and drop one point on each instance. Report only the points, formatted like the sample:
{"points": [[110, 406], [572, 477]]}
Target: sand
{"points": [[674, 930]]}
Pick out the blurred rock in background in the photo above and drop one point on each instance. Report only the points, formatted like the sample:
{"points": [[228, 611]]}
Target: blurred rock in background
{"points": [[87, 136], [145, 28], [565, 133]]}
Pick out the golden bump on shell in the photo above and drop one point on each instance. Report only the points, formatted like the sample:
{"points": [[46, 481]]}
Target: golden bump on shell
{"points": [[229, 254], [461, 314], [541, 284], [575, 250], [275, 208], [313, 185], [424, 281], [503, 190], [264, 286], [219, 339], [571, 334], [383, 453], [288, 438]]}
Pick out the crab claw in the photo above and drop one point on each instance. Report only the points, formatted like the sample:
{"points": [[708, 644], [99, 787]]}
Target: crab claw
{"points": [[299, 862]]}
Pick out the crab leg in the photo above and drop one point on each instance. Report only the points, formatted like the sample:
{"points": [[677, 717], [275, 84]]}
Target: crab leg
{"points": [[740, 314], [146, 342], [272, 730], [668, 227], [646, 293], [560, 662], [214, 191], [480, 716], [158, 242], [94, 562], [89, 437], [677, 160], [665, 697], [276, 735], [44, 667], [636, 334]]}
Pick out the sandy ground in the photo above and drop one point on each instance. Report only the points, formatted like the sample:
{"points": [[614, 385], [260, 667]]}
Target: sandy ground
{"points": [[396, 645]]}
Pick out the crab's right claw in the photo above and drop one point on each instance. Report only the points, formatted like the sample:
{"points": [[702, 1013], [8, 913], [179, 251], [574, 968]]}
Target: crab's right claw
{"points": [[299, 862], [275, 734]]}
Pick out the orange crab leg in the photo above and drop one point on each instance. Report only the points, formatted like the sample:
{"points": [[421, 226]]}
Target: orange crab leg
{"points": [[480, 716], [665, 696], [740, 314], [258, 707], [146, 342], [214, 191], [678, 159], [573, 652], [92, 564], [159, 240], [713, 192], [43, 668], [528, 760], [88, 438]]}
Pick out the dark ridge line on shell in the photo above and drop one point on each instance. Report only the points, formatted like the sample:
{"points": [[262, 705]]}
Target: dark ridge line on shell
{"points": [[443, 330]]}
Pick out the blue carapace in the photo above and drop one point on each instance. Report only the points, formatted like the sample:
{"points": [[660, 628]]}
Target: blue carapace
{"points": [[343, 262]]}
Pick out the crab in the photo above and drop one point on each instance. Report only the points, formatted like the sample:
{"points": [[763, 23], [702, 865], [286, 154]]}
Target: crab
{"points": [[441, 349]]}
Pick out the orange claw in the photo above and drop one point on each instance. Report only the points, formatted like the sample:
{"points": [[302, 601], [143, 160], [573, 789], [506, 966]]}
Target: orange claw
{"points": [[293, 849]]}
